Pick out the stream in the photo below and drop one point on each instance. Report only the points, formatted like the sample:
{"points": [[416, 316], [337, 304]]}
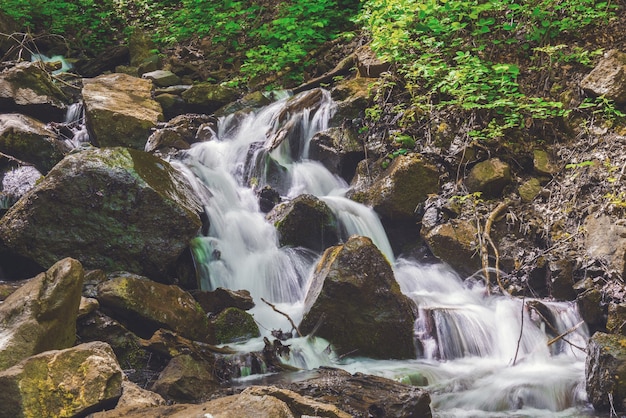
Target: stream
{"points": [[479, 355]]}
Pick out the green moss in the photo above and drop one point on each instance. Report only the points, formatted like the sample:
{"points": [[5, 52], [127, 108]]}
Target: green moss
{"points": [[233, 324]]}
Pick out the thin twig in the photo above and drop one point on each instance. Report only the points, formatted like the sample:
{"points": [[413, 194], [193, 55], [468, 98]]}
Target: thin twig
{"points": [[572, 329], [521, 331], [285, 315], [554, 329]]}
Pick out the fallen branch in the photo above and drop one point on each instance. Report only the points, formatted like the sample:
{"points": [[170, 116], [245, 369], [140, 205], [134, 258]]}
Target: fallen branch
{"points": [[285, 315], [545, 321], [569, 331], [484, 252]]}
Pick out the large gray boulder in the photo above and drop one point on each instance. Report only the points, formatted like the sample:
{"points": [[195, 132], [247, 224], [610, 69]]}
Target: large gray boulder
{"points": [[112, 209], [355, 303], [27, 88], [30, 141], [339, 150], [41, 315], [605, 372], [66, 383], [120, 111]]}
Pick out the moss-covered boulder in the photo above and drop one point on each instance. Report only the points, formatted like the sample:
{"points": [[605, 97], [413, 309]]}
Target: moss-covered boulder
{"points": [[399, 189], [30, 141], [41, 315], [305, 221], [233, 324], [27, 88], [120, 111], [339, 150], [208, 97], [529, 189], [215, 301], [455, 243], [543, 163], [112, 209], [65, 383], [355, 302], [145, 306], [605, 371], [489, 177]]}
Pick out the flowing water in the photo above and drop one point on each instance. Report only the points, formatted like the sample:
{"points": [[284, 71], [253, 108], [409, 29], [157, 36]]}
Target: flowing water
{"points": [[480, 355]]}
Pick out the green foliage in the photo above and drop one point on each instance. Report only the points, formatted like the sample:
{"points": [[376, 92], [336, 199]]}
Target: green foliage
{"points": [[445, 51], [91, 24]]}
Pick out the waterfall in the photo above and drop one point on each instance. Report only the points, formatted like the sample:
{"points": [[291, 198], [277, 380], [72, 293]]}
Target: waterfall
{"points": [[480, 355]]}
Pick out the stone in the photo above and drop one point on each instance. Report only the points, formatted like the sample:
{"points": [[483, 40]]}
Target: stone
{"points": [[113, 209], [172, 104], [215, 301], [300, 405], [339, 150], [605, 371], [305, 221], [608, 78], [543, 164], [606, 240], [529, 189], [207, 97], [455, 243], [62, 383], [27, 88], [179, 132], [162, 78], [134, 396], [41, 315], [352, 95], [119, 110], [105, 61], [250, 101], [399, 189], [145, 306], [368, 64], [489, 177], [234, 406], [355, 303], [30, 141], [186, 379], [616, 320], [591, 309], [364, 395], [234, 325]]}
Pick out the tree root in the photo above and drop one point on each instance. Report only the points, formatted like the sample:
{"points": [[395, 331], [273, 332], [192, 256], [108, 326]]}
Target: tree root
{"points": [[486, 238]]}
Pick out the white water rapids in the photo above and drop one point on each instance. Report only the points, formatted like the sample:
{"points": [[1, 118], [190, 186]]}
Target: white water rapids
{"points": [[479, 355]]}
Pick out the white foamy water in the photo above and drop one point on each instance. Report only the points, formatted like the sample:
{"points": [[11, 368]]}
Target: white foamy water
{"points": [[480, 355]]}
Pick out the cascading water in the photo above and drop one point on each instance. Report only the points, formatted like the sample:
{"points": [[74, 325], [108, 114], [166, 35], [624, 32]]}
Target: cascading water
{"points": [[480, 355]]}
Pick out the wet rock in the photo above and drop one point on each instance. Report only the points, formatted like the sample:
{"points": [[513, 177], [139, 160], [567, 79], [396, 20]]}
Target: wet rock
{"points": [[115, 208], [591, 308], [363, 395], [30, 141], [400, 188], [248, 102], [186, 379], [352, 97], [616, 320], [172, 104], [355, 303], [606, 240], [208, 97], [608, 78], [179, 132], [232, 325], [234, 406], [27, 88], [305, 221], [489, 177], [268, 198], [368, 64], [562, 279], [217, 300], [105, 61], [162, 78], [605, 371], [119, 110], [145, 306], [65, 383], [455, 243], [339, 150], [41, 315]]}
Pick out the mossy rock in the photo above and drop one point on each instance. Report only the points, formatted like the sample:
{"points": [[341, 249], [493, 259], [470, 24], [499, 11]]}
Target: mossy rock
{"points": [[208, 97], [233, 324], [605, 371], [489, 177]]}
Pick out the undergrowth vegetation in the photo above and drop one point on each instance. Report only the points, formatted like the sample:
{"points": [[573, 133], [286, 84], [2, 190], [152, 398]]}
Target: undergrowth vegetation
{"points": [[465, 55]]}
